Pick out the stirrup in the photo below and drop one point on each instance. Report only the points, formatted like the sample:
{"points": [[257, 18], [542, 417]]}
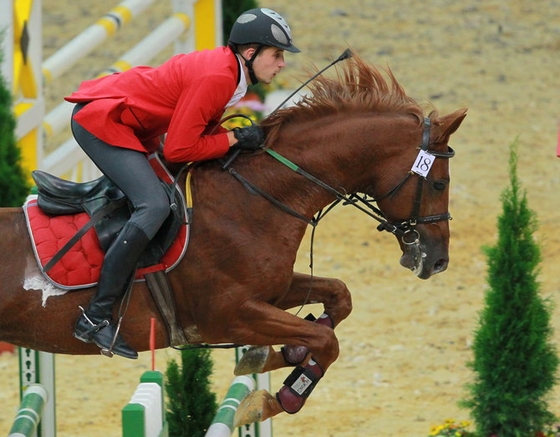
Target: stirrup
{"points": [[92, 330], [108, 352]]}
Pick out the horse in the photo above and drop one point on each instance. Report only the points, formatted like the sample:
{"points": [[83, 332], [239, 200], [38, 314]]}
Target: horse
{"points": [[356, 138]]}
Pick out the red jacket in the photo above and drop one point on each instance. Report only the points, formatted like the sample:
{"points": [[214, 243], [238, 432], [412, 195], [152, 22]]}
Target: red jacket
{"points": [[185, 97]]}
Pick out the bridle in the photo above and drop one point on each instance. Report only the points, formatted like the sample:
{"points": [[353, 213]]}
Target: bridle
{"points": [[406, 229]]}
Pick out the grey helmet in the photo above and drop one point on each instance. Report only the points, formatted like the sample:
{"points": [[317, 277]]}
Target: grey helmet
{"points": [[262, 26]]}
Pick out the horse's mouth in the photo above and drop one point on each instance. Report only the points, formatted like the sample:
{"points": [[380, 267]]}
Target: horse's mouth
{"points": [[417, 260]]}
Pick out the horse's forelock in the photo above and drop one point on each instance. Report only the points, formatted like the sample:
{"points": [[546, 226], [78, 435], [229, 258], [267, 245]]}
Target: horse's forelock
{"points": [[357, 87]]}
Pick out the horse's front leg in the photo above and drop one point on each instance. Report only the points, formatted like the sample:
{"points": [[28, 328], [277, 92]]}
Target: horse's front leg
{"points": [[265, 324], [332, 293], [304, 289]]}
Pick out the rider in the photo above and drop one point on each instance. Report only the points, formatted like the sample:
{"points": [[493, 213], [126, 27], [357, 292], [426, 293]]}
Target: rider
{"points": [[118, 120]]}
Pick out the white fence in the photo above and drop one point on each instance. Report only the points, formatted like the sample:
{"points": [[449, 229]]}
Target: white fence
{"points": [[194, 24]]}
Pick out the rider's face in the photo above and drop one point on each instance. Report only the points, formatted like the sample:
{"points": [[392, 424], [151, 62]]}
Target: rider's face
{"points": [[268, 64]]}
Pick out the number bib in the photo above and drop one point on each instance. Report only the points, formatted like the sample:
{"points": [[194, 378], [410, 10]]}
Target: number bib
{"points": [[423, 163]]}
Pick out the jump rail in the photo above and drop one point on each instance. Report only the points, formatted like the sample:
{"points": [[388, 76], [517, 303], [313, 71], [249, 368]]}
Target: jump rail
{"points": [[26, 71], [222, 425], [30, 412]]}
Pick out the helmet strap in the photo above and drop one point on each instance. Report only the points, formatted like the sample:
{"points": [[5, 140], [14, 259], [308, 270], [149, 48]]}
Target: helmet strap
{"points": [[249, 64]]}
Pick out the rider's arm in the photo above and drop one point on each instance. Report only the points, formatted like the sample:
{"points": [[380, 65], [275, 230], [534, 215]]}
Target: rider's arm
{"points": [[200, 105]]}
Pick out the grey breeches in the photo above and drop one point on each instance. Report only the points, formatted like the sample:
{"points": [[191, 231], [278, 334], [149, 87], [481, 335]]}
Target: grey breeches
{"points": [[131, 172]]}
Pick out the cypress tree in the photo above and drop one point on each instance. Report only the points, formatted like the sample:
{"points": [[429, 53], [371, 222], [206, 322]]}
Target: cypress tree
{"points": [[515, 361], [14, 187], [191, 404]]}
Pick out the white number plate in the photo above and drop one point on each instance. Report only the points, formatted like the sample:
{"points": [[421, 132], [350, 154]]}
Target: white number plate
{"points": [[423, 163]]}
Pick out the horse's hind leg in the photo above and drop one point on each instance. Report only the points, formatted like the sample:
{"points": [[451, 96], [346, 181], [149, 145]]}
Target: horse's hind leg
{"points": [[335, 297]]}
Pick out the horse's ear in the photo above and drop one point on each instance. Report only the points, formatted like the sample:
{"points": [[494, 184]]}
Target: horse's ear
{"points": [[450, 123]]}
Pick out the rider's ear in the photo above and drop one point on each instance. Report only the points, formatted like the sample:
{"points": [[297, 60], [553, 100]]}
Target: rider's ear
{"points": [[248, 52]]}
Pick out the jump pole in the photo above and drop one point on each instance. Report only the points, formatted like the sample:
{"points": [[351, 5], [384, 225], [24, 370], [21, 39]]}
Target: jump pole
{"points": [[81, 45], [222, 425], [262, 382], [30, 411], [24, 69], [38, 368]]}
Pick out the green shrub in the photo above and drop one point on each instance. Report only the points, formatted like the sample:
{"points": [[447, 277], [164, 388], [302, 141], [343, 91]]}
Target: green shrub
{"points": [[191, 404], [515, 361], [14, 187]]}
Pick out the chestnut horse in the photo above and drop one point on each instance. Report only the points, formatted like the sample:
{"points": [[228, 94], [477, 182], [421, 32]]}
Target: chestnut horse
{"points": [[357, 137]]}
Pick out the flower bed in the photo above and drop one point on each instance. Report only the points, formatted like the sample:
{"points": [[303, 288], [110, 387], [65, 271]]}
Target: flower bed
{"points": [[451, 428]]}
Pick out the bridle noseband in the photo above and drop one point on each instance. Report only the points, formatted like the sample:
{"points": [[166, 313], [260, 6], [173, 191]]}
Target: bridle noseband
{"points": [[405, 229]]}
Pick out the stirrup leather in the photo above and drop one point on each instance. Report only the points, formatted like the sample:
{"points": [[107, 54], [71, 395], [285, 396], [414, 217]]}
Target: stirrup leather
{"points": [[108, 352]]}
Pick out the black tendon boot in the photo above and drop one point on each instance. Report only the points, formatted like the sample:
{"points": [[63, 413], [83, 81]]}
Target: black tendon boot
{"points": [[95, 324]]}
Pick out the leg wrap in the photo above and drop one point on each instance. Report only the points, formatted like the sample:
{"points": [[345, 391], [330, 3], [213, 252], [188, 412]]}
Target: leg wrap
{"points": [[296, 354], [298, 386]]}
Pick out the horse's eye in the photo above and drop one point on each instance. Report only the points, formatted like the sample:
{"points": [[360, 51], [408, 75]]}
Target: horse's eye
{"points": [[440, 186]]}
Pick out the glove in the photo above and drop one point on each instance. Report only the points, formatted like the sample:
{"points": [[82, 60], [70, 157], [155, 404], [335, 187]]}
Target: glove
{"points": [[248, 138]]}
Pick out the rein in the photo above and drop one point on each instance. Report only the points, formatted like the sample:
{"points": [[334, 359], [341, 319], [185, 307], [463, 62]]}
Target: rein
{"points": [[361, 201]]}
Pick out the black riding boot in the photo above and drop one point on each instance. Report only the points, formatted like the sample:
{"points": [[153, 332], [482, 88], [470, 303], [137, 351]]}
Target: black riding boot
{"points": [[95, 324]]}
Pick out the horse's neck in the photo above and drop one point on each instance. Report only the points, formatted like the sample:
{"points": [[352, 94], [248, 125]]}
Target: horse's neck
{"points": [[348, 152]]}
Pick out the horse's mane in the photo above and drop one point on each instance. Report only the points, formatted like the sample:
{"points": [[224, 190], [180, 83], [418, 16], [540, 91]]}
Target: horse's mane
{"points": [[357, 87]]}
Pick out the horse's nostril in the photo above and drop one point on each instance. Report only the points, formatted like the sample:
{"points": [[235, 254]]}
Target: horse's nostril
{"points": [[440, 266]]}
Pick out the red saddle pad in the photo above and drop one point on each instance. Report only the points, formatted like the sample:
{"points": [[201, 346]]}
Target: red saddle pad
{"points": [[81, 265]]}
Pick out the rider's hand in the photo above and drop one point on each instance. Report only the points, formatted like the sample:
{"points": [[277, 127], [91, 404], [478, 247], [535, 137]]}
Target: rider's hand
{"points": [[248, 138]]}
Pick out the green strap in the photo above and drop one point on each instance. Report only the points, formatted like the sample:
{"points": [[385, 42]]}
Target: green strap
{"points": [[283, 160], [302, 172], [349, 200]]}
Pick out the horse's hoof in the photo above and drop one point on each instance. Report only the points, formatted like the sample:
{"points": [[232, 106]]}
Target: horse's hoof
{"points": [[253, 361], [293, 354], [257, 406]]}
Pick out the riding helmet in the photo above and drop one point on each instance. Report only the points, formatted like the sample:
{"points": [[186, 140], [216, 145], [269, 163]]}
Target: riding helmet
{"points": [[262, 26]]}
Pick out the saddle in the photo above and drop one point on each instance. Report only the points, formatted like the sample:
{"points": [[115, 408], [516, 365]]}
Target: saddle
{"points": [[108, 209], [73, 224]]}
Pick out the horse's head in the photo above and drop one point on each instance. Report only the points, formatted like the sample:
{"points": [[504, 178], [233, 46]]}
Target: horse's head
{"points": [[362, 134], [415, 202]]}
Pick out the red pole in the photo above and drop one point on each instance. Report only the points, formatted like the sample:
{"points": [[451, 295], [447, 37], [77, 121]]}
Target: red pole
{"points": [[153, 341]]}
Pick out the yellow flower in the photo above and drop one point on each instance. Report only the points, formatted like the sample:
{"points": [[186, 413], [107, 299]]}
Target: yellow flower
{"points": [[450, 428]]}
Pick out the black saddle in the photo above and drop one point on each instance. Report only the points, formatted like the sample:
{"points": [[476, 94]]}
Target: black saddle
{"points": [[108, 208]]}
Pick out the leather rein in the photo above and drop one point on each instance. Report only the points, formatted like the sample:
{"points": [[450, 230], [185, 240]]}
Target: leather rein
{"points": [[406, 229]]}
